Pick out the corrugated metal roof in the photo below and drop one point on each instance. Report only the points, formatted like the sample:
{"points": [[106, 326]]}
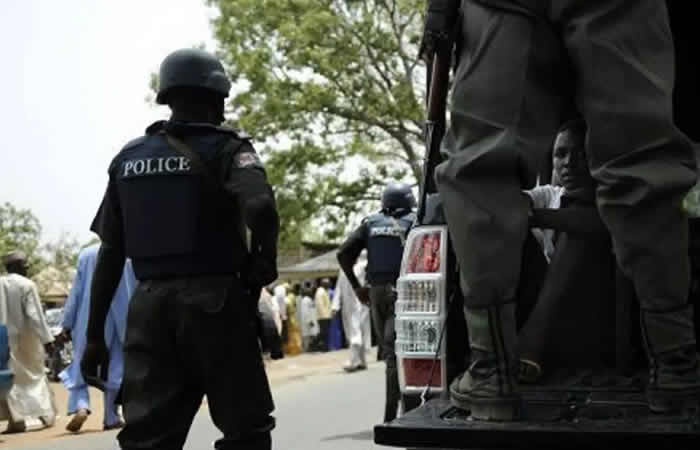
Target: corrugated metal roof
{"points": [[324, 265]]}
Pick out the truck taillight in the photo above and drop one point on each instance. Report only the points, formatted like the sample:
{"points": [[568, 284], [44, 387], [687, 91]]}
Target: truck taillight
{"points": [[424, 254], [419, 294], [420, 310], [417, 372], [417, 335]]}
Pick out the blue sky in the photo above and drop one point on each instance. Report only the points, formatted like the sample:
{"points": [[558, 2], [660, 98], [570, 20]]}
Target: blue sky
{"points": [[74, 80]]}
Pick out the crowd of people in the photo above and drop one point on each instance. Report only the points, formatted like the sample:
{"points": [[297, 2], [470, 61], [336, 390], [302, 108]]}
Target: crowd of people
{"points": [[31, 340], [315, 315]]}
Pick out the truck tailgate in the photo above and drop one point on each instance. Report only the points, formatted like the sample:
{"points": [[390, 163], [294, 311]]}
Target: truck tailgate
{"points": [[591, 420]]}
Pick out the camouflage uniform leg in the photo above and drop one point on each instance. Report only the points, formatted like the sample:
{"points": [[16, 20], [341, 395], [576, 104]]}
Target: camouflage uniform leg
{"points": [[644, 167], [506, 106]]}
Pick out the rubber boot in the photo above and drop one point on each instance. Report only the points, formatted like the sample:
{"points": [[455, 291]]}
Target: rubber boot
{"points": [[488, 388], [674, 372]]}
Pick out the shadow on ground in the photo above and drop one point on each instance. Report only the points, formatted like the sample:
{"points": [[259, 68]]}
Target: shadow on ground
{"points": [[359, 436]]}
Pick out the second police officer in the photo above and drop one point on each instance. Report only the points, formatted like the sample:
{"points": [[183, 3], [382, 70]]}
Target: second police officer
{"points": [[383, 236], [190, 204]]}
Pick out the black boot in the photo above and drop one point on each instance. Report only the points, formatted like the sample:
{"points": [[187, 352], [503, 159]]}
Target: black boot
{"points": [[257, 441], [488, 388], [393, 394], [674, 372]]}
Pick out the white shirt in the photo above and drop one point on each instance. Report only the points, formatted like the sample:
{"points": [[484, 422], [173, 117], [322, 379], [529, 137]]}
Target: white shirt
{"points": [[281, 296], [549, 197]]}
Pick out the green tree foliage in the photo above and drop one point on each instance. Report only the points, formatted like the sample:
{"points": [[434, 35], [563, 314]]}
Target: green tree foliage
{"points": [[20, 230], [327, 85]]}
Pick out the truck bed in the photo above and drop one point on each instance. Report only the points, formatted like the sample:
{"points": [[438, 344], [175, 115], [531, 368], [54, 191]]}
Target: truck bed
{"points": [[572, 415]]}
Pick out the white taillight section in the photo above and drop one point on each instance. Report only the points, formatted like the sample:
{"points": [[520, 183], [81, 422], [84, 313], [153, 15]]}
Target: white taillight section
{"points": [[420, 310], [419, 294], [417, 335]]}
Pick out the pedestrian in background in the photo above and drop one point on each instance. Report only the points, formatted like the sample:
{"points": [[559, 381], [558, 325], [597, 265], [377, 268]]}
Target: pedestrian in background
{"points": [[355, 317], [307, 318], [269, 309], [75, 321], [280, 293], [30, 340], [293, 345], [336, 335], [322, 302]]}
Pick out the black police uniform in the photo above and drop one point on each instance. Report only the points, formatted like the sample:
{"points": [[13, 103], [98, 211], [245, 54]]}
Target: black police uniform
{"points": [[191, 327], [383, 235]]}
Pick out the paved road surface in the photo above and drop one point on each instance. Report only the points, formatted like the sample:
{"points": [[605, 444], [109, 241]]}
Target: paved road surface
{"points": [[332, 410]]}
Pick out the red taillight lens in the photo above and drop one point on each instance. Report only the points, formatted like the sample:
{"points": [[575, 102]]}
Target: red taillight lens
{"points": [[417, 371], [424, 256]]}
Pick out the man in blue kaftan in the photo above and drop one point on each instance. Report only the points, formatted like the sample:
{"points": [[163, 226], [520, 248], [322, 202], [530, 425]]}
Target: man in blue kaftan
{"points": [[75, 322]]}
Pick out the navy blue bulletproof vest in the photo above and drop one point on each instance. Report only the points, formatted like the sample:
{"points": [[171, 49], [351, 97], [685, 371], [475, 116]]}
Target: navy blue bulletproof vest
{"points": [[386, 236], [176, 222]]}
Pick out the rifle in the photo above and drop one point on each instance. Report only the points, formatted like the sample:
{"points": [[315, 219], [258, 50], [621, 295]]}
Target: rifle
{"points": [[436, 51]]}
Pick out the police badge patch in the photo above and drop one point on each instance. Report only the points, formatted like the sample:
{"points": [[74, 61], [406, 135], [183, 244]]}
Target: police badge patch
{"points": [[245, 160]]}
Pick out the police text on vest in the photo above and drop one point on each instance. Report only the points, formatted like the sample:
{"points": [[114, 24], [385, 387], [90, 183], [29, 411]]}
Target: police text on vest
{"points": [[156, 166]]}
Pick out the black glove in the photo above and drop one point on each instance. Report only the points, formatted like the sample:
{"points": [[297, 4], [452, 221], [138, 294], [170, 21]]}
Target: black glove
{"points": [[363, 294], [440, 20], [261, 271], [95, 363]]}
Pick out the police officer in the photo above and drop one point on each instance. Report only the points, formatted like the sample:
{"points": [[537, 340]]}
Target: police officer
{"points": [[383, 236], [189, 203], [523, 67]]}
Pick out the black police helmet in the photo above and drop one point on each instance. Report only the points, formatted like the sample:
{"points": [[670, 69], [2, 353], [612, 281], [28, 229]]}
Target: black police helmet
{"points": [[191, 67], [397, 196]]}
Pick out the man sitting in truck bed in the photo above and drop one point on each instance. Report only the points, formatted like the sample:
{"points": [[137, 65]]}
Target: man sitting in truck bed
{"points": [[582, 255]]}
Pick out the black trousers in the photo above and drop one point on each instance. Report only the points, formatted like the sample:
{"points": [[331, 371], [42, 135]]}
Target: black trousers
{"points": [[187, 338], [383, 298], [323, 335]]}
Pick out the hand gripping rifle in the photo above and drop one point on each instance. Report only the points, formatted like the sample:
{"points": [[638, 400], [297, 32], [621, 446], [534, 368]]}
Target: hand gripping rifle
{"points": [[436, 50]]}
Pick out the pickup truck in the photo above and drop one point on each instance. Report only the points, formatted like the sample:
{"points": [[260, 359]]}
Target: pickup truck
{"points": [[593, 395]]}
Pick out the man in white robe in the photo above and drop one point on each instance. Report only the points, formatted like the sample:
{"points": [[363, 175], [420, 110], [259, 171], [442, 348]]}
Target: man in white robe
{"points": [[269, 308], [29, 336], [280, 294], [356, 318], [308, 321]]}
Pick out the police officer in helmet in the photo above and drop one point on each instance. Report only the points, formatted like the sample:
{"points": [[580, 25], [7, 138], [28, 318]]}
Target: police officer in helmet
{"points": [[190, 204], [383, 235]]}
